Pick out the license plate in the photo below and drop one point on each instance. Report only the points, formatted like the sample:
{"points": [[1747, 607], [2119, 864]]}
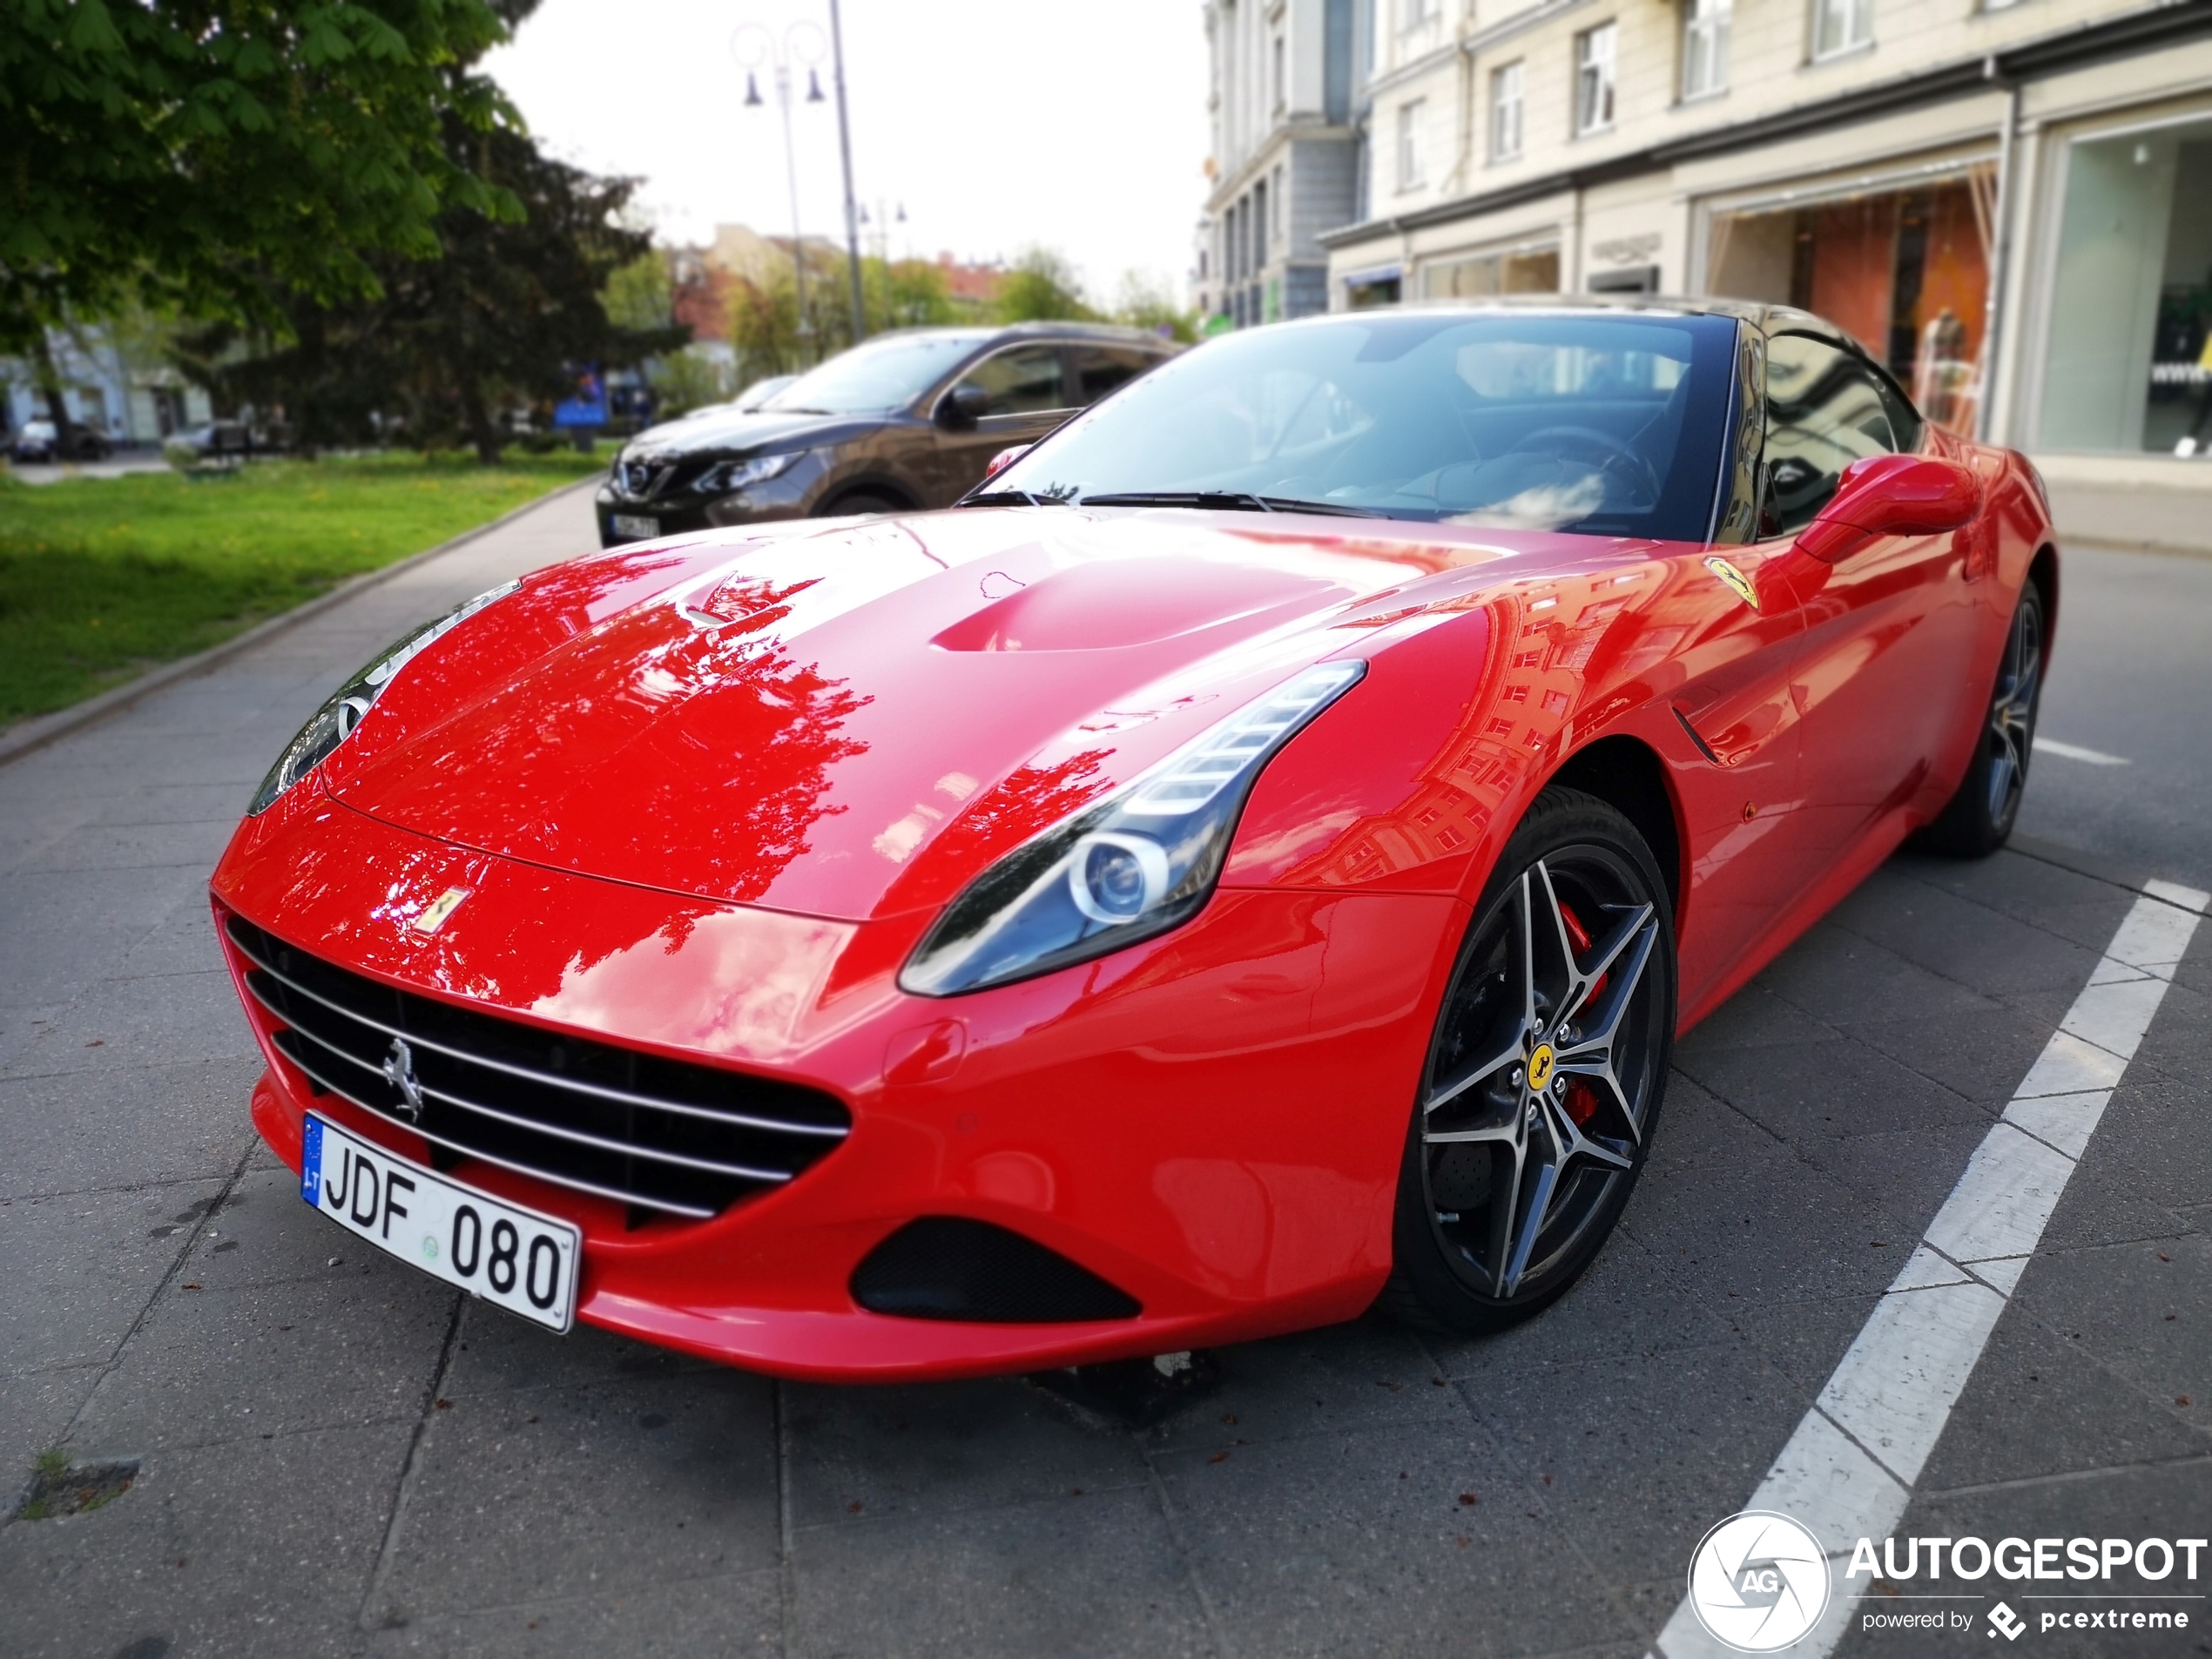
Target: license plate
{"points": [[522, 1261], [632, 524]]}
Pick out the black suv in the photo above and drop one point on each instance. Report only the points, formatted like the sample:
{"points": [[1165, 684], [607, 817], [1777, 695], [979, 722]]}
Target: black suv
{"points": [[906, 420]]}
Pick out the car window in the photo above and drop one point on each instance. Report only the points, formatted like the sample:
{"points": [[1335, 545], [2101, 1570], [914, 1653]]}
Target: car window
{"points": [[1099, 369], [1024, 381], [1608, 425], [886, 373], [1824, 410]]}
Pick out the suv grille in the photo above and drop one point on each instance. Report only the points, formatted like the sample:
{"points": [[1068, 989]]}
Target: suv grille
{"points": [[659, 1134]]}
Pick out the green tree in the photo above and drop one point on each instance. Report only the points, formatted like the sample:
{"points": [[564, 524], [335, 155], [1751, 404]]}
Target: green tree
{"points": [[1143, 302], [1042, 287], [219, 155], [638, 294], [503, 316]]}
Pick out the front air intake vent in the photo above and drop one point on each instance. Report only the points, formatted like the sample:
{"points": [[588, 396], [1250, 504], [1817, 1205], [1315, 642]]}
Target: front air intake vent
{"points": [[660, 1135], [945, 1267]]}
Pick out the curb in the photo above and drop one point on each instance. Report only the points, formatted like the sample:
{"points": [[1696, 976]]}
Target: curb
{"points": [[26, 736]]}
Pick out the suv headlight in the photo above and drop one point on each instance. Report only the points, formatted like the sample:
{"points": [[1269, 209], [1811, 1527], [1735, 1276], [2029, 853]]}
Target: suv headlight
{"points": [[334, 721], [730, 476], [1141, 862]]}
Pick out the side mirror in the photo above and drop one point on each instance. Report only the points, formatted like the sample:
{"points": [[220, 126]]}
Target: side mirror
{"points": [[1892, 495], [1006, 458], [961, 407]]}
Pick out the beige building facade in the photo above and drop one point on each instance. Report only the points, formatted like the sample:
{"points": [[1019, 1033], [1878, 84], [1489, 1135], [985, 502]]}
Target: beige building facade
{"points": [[2009, 204]]}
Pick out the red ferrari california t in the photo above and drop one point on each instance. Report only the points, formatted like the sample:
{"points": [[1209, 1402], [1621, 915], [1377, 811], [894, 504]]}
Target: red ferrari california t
{"points": [[1248, 860]]}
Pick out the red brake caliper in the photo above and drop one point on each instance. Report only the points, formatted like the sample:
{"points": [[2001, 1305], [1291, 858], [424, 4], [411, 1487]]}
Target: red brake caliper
{"points": [[1581, 1099]]}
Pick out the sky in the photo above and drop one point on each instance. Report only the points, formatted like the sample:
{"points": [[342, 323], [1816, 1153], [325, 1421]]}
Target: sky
{"points": [[998, 124]]}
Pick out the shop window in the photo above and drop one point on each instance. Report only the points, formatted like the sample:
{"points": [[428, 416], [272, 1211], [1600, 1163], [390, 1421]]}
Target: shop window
{"points": [[2128, 363], [1368, 295], [1534, 270], [1906, 272]]}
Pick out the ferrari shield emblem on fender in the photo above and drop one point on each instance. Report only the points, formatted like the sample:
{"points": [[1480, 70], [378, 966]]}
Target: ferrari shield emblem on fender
{"points": [[441, 906], [1734, 580]]}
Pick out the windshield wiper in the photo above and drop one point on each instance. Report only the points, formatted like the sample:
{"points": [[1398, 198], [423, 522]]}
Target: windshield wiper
{"points": [[1226, 501], [1005, 498]]}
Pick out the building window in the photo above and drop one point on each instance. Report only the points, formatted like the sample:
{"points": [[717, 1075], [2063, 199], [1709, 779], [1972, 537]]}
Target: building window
{"points": [[1841, 26], [1596, 52], [1259, 225], [1409, 144], [1411, 14], [1704, 47], [1282, 83], [1505, 113], [1276, 197]]}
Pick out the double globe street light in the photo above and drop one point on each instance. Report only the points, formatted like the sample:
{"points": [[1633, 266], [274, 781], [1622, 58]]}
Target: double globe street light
{"points": [[800, 45]]}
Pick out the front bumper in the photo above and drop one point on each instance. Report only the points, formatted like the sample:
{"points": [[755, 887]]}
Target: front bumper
{"points": [[1211, 1122]]}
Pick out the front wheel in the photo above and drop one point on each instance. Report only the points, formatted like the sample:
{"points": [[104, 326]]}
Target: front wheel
{"points": [[1979, 818], [1544, 1077]]}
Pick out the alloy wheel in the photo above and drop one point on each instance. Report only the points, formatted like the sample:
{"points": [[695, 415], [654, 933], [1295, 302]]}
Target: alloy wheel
{"points": [[1541, 1084], [2012, 714]]}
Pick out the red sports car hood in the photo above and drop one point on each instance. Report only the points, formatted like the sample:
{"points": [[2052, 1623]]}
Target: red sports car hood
{"points": [[852, 721]]}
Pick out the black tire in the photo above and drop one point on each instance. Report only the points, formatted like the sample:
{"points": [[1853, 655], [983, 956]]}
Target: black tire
{"points": [[1979, 817], [863, 501], [1566, 1156]]}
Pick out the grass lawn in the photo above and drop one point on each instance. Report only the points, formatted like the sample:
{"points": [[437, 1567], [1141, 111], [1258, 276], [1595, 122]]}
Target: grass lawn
{"points": [[103, 578]]}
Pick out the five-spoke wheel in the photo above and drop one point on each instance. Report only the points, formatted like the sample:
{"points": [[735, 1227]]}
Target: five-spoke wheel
{"points": [[1979, 817]]}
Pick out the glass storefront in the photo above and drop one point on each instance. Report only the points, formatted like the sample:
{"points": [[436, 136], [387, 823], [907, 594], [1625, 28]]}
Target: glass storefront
{"points": [[2127, 365], [1521, 270], [1904, 271]]}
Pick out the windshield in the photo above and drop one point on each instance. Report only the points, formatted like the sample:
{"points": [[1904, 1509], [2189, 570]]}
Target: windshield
{"points": [[888, 373], [1608, 425]]}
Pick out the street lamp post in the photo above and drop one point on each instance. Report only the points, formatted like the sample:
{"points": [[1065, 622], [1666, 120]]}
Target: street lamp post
{"points": [[844, 155], [753, 46]]}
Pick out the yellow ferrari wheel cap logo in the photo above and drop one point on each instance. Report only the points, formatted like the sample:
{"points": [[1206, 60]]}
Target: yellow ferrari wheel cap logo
{"points": [[1540, 1068], [1734, 580], [439, 908]]}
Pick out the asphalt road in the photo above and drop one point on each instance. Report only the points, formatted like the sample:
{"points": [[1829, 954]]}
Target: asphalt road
{"points": [[333, 1456]]}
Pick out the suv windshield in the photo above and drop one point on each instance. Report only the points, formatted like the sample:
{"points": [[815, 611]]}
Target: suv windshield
{"points": [[1608, 425], [886, 373]]}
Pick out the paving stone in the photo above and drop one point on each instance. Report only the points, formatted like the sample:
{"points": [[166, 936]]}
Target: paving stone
{"points": [[1811, 1092], [1317, 1545], [858, 1454], [211, 1365], [729, 1613], [136, 846], [1630, 1305], [1982, 1059], [2039, 1404], [1700, 1427], [1899, 1180], [36, 1410], [1839, 977], [1098, 1573], [1364, 1373], [162, 1020], [497, 1350], [260, 1548], [83, 1268], [1755, 1017], [123, 1126], [2143, 1312], [67, 929], [595, 1489], [1963, 940]]}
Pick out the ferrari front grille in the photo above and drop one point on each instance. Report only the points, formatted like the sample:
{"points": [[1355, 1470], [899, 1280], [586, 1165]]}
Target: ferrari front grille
{"points": [[660, 1134]]}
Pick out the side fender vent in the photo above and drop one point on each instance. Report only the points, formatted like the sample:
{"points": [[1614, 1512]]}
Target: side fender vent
{"points": [[946, 1267]]}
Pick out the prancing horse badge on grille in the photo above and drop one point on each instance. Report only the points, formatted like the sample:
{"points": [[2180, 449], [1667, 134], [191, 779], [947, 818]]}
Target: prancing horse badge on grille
{"points": [[399, 1070]]}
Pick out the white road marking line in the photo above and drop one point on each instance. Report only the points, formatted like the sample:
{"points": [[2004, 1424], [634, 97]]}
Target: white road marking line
{"points": [[1848, 1471], [2076, 751]]}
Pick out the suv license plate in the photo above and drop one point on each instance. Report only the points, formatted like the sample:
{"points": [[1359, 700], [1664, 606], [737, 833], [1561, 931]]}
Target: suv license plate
{"points": [[522, 1261], [632, 524]]}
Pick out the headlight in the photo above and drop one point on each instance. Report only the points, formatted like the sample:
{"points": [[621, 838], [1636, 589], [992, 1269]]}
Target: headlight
{"points": [[334, 721], [1139, 863], [743, 475]]}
